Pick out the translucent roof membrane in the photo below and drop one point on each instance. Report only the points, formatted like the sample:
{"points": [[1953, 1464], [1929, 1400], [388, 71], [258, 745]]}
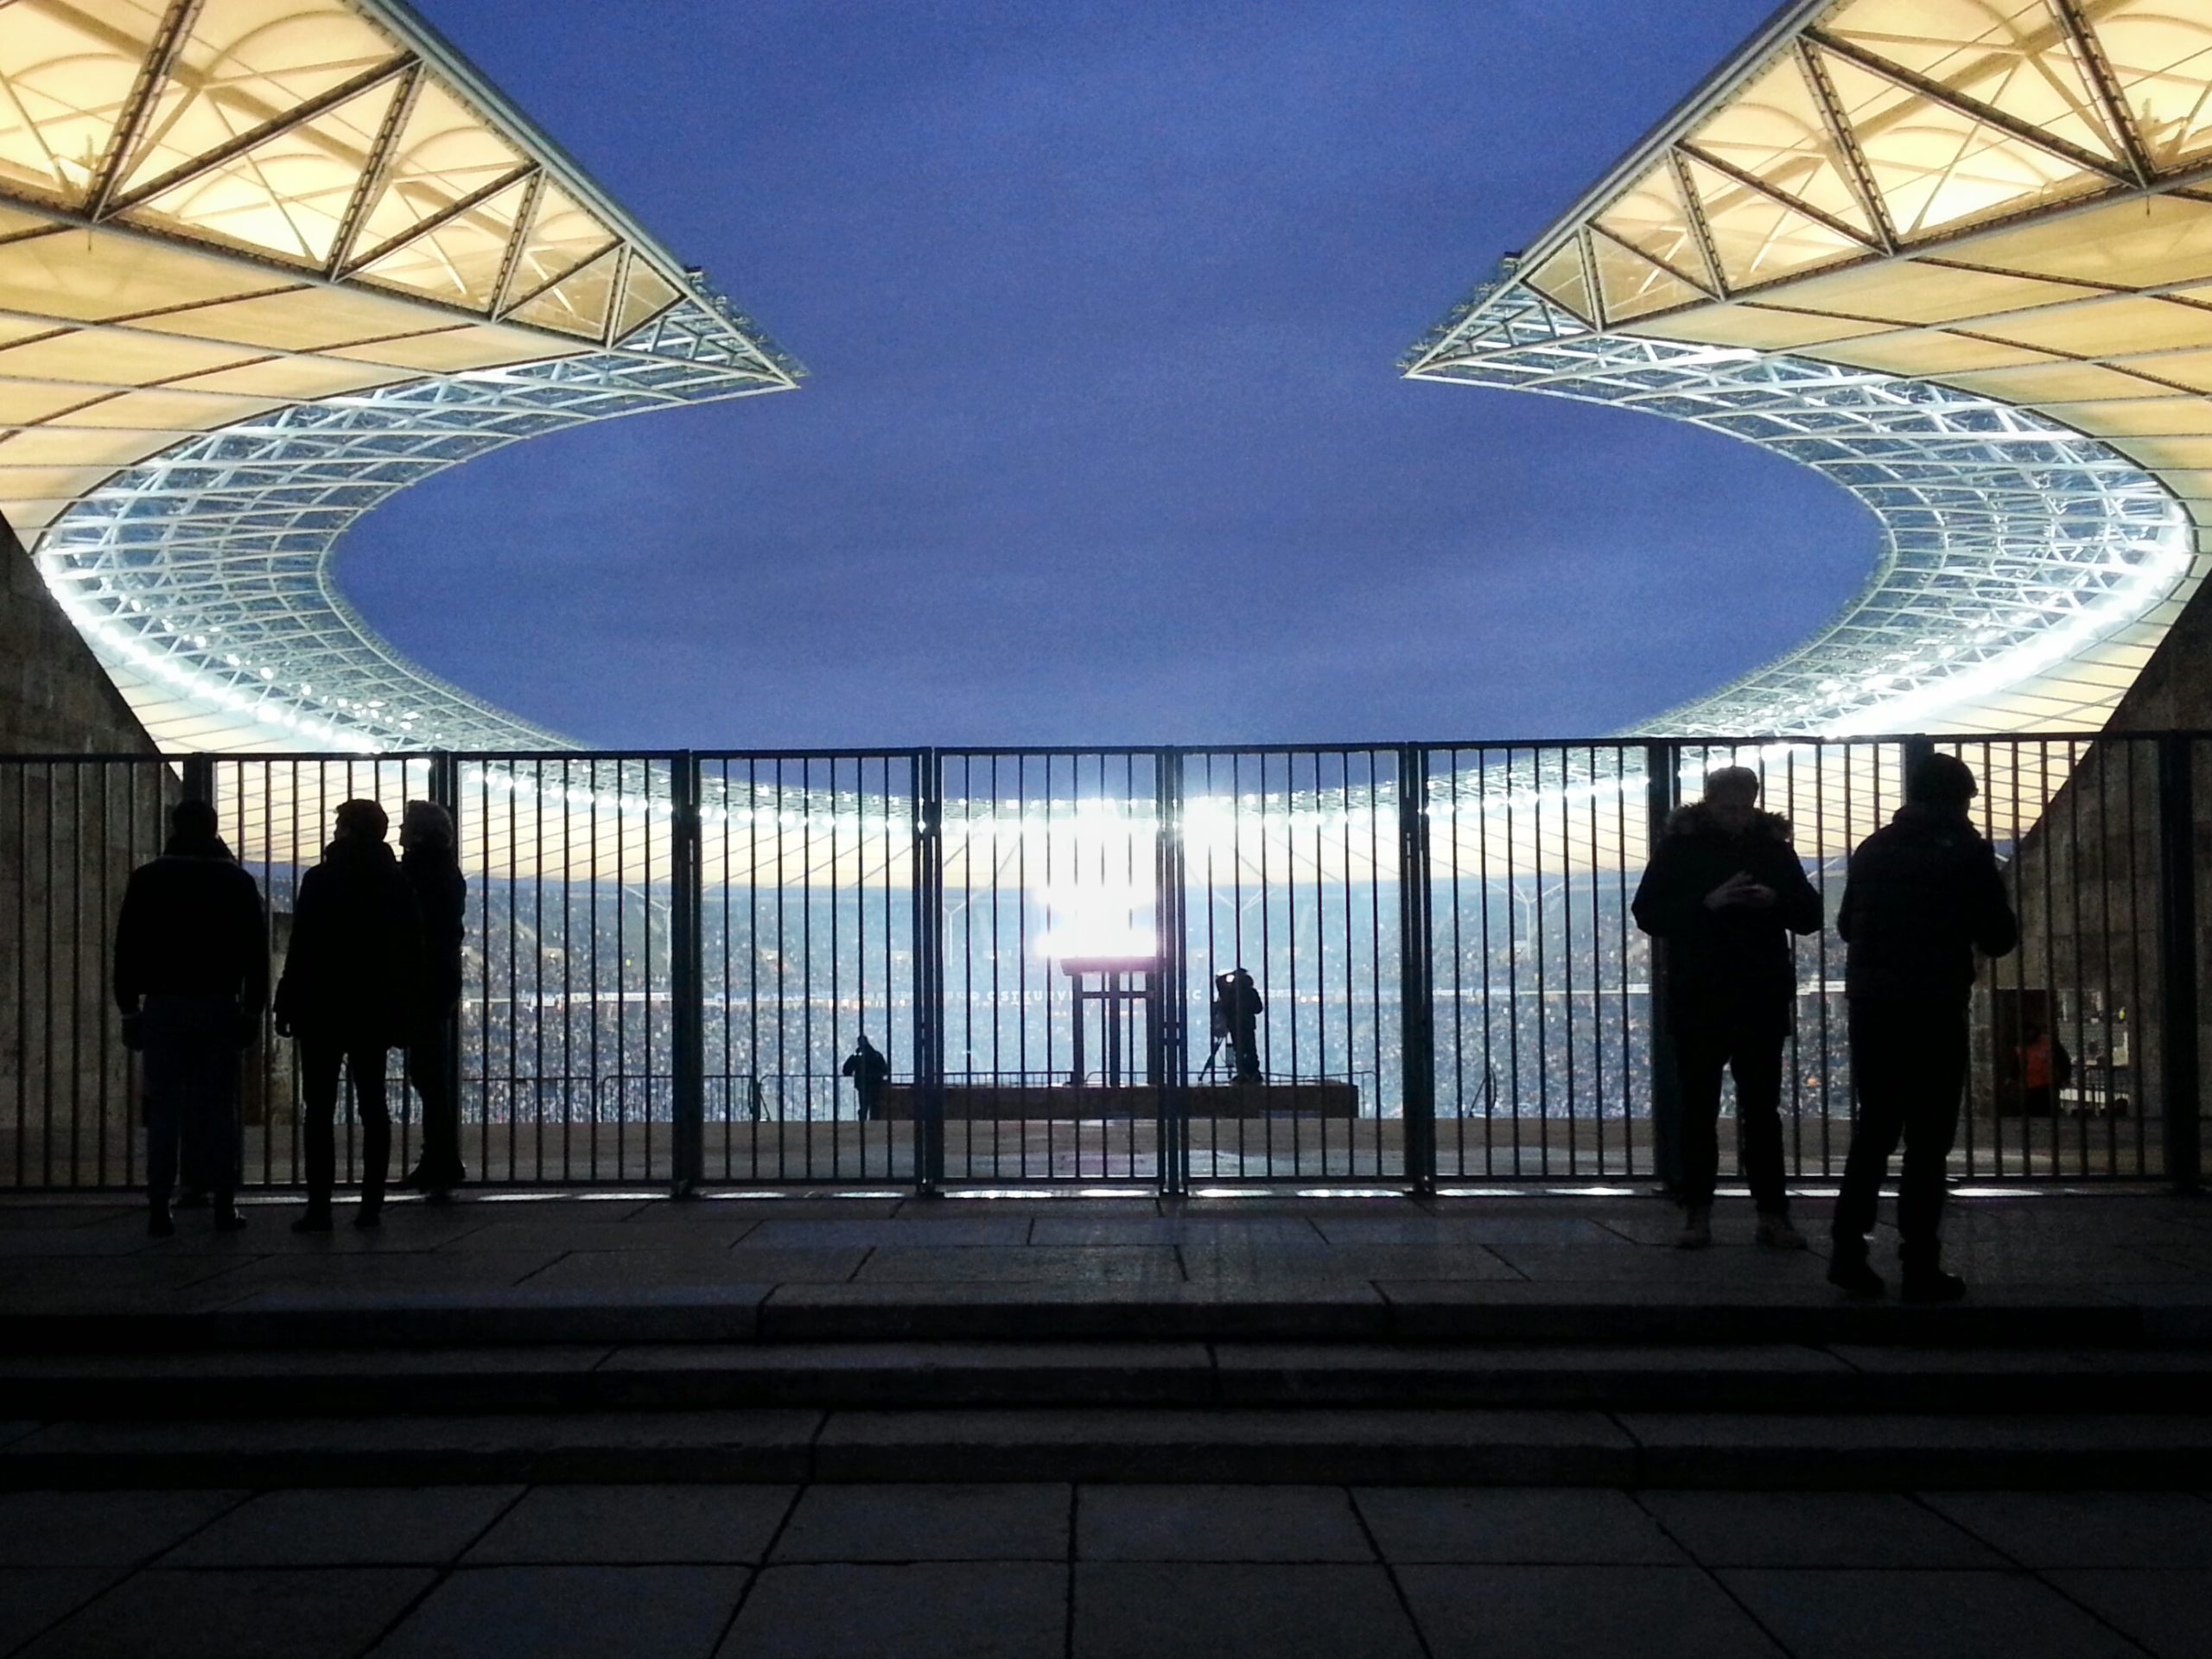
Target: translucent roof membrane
{"points": [[262, 263], [1950, 253]]}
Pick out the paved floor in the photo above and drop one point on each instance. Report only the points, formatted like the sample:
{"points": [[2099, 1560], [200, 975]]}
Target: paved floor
{"points": [[74, 1255], [918, 1570]]}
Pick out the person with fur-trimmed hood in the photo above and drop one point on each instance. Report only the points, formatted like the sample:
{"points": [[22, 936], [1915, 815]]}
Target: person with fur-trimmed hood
{"points": [[1724, 890]]}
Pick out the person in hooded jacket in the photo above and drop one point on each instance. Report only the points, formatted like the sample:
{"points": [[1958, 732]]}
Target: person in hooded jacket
{"points": [[1724, 890], [432, 868], [351, 992], [191, 976], [1924, 894]]}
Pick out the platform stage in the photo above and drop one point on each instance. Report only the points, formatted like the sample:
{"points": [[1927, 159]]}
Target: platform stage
{"points": [[1008, 1103]]}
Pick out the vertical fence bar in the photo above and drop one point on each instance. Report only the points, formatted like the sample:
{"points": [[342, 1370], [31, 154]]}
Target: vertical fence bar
{"points": [[1416, 974], [2178, 1046], [1168, 1060], [686, 979], [929, 973], [1661, 787]]}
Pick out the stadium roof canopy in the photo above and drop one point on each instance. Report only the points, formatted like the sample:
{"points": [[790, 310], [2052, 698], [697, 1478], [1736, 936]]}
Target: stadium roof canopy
{"points": [[263, 263], [1957, 254]]}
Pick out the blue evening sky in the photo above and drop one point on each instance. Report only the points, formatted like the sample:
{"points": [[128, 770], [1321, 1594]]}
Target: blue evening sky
{"points": [[1104, 440]]}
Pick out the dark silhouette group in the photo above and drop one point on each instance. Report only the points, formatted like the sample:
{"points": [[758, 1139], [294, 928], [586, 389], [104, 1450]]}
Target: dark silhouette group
{"points": [[374, 965], [1724, 890]]}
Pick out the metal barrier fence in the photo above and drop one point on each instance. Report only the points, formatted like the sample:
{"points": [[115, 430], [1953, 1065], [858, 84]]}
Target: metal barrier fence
{"points": [[670, 958]]}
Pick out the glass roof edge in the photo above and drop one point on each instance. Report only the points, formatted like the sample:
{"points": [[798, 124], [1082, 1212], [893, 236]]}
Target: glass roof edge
{"points": [[2071, 540], [328, 462]]}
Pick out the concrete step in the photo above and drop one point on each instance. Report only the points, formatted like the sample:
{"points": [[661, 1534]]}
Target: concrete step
{"points": [[1332, 1310], [552, 1378], [1794, 1451]]}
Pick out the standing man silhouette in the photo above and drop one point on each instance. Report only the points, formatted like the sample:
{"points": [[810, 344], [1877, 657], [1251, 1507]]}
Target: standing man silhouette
{"points": [[350, 994], [869, 1071], [1725, 890], [1237, 1009], [430, 862], [191, 979], [1924, 894]]}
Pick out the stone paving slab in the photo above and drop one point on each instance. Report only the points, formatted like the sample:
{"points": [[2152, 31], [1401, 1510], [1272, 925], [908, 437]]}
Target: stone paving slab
{"points": [[1580, 1612], [2163, 1611], [569, 1613], [634, 1524], [1847, 1615], [33, 1599], [253, 1614], [923, 1610], [347, 1526], [1186, 1610], [70, 1529], [2088, 1528], [1818, 1529], [1515, 1526], [967, 1520]]}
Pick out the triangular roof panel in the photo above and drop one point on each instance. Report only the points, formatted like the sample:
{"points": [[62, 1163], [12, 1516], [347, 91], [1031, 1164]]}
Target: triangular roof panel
{"points": [[1936, 166], [1562, 280], [646, 296], [1632, 285], [462, 259], [244, 64], [579, 302], [1758, 238], [65, 79], [2015, 56], [1651, 217], [286, 195], [445, 153], [1774, 130], [562, 236]]}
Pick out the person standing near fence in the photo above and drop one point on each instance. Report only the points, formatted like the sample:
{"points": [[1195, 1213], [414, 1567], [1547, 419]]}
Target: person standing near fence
{"points": [[869, 1071], [1924, 894], [192, 978], [1724, 890], [429, 861], [1237, 1006], [350, 992]]}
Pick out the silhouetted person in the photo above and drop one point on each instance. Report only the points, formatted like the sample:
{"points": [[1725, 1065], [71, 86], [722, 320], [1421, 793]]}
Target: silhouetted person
{"points": [[1237, 1010], [2045, 1068], [350, 992], [429, 861], [1725, 891], [191, 979], [869, 1071], [1924, 895]]}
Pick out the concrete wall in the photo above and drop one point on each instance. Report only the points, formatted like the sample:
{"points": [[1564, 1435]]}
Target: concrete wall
{"points": [[2086, 878], [70, 831], [55, 696]]}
